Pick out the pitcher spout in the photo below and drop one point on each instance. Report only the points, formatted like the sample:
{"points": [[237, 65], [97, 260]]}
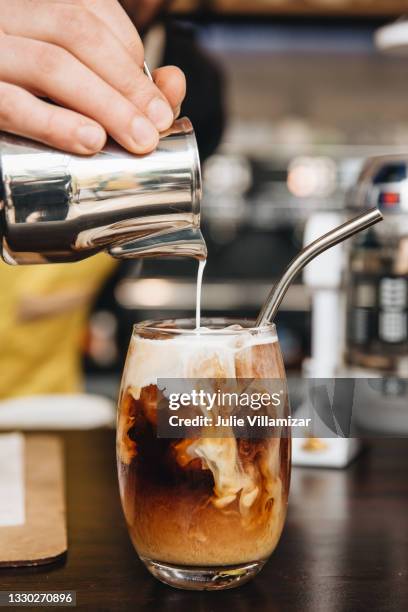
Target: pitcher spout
{"points": [[188, 242]]}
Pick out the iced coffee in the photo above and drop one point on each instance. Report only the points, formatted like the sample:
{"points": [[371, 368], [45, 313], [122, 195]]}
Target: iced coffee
{"points": [[203, 512]]}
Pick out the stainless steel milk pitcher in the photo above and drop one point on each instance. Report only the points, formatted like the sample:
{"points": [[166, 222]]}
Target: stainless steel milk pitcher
{"points": [[59, 207]]}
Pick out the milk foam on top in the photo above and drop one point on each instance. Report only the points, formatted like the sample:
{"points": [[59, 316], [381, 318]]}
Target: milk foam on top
{"points": [[203, 354]]}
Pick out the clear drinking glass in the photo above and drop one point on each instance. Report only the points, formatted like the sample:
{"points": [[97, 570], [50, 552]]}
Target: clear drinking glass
{"points": [[202, 513]]}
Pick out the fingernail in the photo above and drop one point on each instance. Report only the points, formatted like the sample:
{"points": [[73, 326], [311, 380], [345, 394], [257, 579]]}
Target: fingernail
{"points": [[91, 137], [143, 133], [160, 113]]}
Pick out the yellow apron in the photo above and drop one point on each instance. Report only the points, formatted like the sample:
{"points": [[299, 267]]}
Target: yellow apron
{"points": [[43, 311]]}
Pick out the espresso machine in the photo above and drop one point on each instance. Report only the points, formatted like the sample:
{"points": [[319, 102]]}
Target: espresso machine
{"points": [[359, 298], [377, 296], [376, 333]]}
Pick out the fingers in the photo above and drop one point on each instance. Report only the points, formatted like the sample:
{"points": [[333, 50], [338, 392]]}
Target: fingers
{"points": [[87, 56], [23, 114], [85, 36], [115, 18], [61, 77], [172, 83]]}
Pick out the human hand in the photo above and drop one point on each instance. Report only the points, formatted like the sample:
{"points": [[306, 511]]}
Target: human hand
{"points": [[87, 57]]}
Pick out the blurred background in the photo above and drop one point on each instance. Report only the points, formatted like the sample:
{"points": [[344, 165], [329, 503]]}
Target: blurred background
{"points": [[306, 98]]}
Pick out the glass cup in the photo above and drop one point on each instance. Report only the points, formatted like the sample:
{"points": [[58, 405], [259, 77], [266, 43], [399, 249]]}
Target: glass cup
{"points": [[202, 512]]}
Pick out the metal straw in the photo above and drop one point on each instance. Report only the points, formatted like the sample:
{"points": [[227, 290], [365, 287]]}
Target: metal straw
{"points": [[336, 235]]}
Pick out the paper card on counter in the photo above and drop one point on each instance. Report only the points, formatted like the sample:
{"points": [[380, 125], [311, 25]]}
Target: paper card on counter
{"points": [[12, 486]]}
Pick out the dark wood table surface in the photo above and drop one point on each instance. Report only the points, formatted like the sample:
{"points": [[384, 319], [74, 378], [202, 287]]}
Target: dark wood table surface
{"points": [[344, 547]]}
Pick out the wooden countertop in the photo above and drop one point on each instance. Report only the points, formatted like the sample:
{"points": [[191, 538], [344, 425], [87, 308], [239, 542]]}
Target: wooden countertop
{"points": [[344, 547]]}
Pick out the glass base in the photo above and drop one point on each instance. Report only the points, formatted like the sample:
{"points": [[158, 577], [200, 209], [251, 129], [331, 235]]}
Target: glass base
{"points": [[203, 578]]}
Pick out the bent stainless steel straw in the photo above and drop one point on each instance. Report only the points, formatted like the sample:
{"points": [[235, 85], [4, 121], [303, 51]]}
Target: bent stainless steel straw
{"points": [[336, 235]]}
